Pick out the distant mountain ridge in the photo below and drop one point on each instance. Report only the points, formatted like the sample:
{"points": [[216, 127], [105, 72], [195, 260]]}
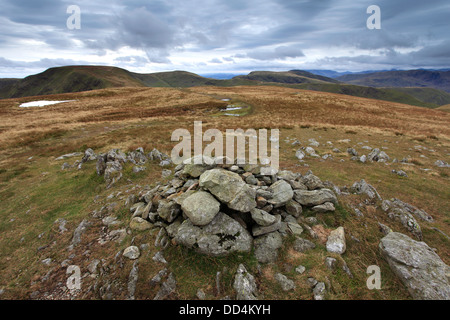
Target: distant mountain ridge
{"points": [[411, 78], [84, 78]]}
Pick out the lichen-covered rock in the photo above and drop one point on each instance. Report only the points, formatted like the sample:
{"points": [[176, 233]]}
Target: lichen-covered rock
{"points": [[222, 236], [266, 247], [168, 210], [282, 193], [229, 188], [314, 197], [419, 268], [326, 207], [260, 230], [262, 218], [201, 208], [336, 241], [245, 285], [139, 224]]}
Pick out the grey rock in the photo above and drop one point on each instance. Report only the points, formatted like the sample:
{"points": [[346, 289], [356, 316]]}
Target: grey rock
{"points": [[158, 277], [158, 257], [201, 208], [285, 283], [93, 266], [312, 182], [336, 241], [311, 152], [132, 280], [79, 231], [300, 269], [294, 208], [222, 236], [262, 218], [419, 268], [267, 246], [303, 245], [326, 207], [201, 295], [167, 288], [441, 164], [245, 285], [140, 224], [282, 193], [314, 197], [352, 151], [229, 188], [168, 210], [362, 187], [131, 253], [319, 291], [260, 230], [300, 155]]}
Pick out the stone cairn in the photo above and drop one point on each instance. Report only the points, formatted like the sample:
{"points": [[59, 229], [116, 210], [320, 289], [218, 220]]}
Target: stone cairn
{"points": [[217, 208]]}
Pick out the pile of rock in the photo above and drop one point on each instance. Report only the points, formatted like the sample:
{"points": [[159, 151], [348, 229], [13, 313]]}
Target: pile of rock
{"points": [[110, 164], [218, 208]]}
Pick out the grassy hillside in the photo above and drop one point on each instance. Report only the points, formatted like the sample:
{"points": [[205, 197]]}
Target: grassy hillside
{"points": [[36, 193], [411, 78], [421, 98], [290, 77], [7, 82], [85, 78], [70, 79]]}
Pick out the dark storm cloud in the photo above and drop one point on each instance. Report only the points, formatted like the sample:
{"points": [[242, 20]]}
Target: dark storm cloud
{"points": [[413, 33]]}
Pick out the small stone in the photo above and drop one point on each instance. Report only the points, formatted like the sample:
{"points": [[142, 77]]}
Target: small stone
{"points": [[303, 245], [330, 263], [286, 284], [319, 291], [132, 253], [158, 257], [336, 241], [300, 269]]}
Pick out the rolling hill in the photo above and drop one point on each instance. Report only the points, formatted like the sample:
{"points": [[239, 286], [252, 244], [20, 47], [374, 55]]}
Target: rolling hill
{"points": [[411, 78], [84, 78]]}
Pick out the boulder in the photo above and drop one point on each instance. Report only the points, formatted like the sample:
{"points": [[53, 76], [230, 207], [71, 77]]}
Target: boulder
{"points": [[312, 182], [201, 208], [326, 207], [222, 236], [260, 230], [294, 208], [419, 268], [282, 193], [266, 247], [262, 218], [140, 224], [314, 197], [229, 188], [168, 210]]}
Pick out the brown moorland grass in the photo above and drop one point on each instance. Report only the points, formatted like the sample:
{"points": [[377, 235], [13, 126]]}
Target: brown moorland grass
{"points": [[34, 191]]}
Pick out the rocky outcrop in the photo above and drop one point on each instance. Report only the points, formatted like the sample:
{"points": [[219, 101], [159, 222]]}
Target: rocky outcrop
{"points": [[419, 268]]}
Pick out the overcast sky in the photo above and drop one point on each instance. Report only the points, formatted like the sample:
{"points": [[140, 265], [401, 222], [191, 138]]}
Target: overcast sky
{"points": [[224, 36]]}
